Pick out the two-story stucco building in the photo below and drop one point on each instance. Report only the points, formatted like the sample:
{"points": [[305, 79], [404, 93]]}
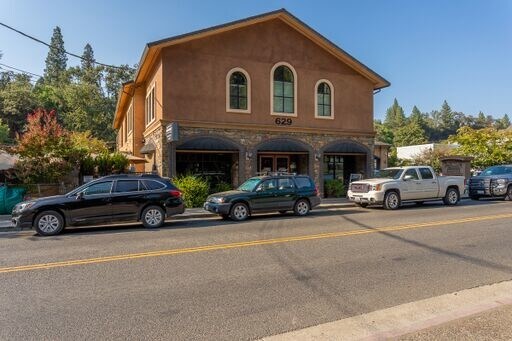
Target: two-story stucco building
{"points": [[266, 93]]}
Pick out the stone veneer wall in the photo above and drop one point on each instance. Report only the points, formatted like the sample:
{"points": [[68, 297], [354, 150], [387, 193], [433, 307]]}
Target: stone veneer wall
{"points": [[161, 154], [248, 142]]}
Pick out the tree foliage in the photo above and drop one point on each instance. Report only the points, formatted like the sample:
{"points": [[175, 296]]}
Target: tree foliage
{"points": [[48, 151], [17, 99], [488, 146], [56, 60], [4, 132], [84, 96]]}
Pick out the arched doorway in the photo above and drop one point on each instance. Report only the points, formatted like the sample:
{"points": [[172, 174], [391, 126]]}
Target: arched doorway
{"points": [[283, 155], [215, 158], [342, 158]]}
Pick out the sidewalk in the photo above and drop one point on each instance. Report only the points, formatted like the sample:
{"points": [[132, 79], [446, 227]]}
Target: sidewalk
{"points": [[191, 213], [481, 313]]}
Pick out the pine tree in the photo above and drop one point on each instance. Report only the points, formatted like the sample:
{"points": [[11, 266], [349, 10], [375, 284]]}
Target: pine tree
{"points": [[417, 117], [88, 57], [410, 134], [395, 117], [89, 72], [56, 60], [505, 121], [502, 123]]}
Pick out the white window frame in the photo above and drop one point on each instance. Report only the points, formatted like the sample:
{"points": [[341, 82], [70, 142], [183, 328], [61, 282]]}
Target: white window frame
{"points": [[316, 99], [149, 105], [295, 85], [129, 117], [228, 102], [125, 131]]}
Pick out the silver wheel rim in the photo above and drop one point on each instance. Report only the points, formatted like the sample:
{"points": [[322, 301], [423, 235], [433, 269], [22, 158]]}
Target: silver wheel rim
{"points": [[393, 200], [452, 197], [240, 212], [302, 207], [48, 223], [153, 217]]}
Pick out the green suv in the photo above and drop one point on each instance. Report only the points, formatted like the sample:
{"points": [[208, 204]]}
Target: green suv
{"points": [[275, 192]]}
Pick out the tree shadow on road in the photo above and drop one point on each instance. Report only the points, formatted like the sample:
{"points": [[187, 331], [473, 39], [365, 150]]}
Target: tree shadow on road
{"points": [[461, 257]]}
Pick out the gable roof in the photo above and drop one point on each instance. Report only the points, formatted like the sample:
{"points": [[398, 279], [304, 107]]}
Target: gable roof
{"points": [[152, 49]]}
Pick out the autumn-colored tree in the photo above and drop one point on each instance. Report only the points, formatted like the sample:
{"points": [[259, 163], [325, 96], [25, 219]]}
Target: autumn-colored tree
{"points": [[44, 136]]}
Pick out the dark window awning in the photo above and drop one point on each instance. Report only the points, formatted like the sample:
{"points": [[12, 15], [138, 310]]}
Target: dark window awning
{"points": [[208, 144], [148, 148], [282, 145], [346, 147]]}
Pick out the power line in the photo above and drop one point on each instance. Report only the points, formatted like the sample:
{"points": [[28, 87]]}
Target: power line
{"points": [[63, 50], [20, 70]]}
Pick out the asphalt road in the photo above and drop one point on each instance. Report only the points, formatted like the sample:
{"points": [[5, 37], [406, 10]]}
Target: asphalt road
{"points": [[211, 279]]}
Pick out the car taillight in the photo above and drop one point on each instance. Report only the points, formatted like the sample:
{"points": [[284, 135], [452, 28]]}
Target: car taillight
{"points": [[175, 193], [316, 191]]}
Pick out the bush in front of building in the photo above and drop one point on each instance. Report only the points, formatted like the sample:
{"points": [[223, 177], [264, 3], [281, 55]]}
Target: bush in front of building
{"points": [[334, 188], [221, 187], [194, 189]]}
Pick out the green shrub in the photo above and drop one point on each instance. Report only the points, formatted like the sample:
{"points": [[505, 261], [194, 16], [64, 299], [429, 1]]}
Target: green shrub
{"points": [[334, 188], [221, 187], [194, 189]]}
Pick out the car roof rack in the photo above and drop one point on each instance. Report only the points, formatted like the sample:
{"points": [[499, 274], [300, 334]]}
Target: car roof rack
{"points": [[125, 175], [269, 173]]}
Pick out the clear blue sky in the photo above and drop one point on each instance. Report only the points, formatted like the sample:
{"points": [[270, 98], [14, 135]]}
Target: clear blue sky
{"points": [[458, 50]]}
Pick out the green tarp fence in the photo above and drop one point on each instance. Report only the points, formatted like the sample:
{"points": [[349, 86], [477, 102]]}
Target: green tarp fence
{"points": [[9, 197]]}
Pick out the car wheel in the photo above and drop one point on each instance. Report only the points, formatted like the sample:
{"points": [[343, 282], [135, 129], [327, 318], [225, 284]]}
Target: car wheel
{"points": [[239, 211], [153, 217], [301, 207], [49, 223], [362, 204], [452, 197], [391, 200], [283, 212], [474, 197], [509, 193]]}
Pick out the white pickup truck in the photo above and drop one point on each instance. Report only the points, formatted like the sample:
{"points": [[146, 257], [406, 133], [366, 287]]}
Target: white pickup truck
{"points": [[406, 184]]}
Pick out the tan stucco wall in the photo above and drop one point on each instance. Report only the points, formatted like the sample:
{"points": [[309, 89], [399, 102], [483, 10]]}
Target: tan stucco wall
{"points": [[194, 79], [382, 153]]}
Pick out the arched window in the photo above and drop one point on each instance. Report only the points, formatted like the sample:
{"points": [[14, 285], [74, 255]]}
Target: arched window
{"points": [[324, 99], [283, 90], [238, 91]]}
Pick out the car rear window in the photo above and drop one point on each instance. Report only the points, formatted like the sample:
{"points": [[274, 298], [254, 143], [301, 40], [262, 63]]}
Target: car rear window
{"points": [[285, 183], [304, 182], [152, 185], [127, 186]]}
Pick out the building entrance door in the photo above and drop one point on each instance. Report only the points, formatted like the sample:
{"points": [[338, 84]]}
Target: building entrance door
{"points": [[274, 163]]}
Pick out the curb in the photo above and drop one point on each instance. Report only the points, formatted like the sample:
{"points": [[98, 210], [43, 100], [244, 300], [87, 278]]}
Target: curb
{"points": [[8, 227]]}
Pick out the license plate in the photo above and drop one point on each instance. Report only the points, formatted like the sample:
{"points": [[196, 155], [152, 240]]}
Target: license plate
{"points": [[480, 192]]}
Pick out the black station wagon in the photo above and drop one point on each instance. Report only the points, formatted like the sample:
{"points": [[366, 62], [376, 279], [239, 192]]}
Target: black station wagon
{"points": [[276, 192], [111, 199]]}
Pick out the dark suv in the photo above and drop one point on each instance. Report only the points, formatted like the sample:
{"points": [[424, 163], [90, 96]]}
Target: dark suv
{"points": [[115, 198], [274, 192], [495, 181]]}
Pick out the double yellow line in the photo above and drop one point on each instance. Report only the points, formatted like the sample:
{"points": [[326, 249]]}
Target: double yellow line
{"points": [[216, 247]]}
